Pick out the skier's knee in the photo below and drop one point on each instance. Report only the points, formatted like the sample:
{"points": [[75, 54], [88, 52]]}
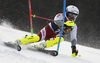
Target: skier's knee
{"points": [[50, 43]]}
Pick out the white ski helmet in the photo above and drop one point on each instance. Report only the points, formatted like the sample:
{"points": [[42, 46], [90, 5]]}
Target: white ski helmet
{"points": [[72, 12]]}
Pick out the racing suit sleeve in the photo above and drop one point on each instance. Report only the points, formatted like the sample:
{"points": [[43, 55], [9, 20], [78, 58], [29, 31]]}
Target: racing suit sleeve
{"points": [[73, 35]]}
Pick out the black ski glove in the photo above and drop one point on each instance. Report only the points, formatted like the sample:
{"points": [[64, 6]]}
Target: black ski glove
{"points": [[74, 51]]}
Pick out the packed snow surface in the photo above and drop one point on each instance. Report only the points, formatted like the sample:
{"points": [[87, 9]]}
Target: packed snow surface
{"points": [[10, 55]]}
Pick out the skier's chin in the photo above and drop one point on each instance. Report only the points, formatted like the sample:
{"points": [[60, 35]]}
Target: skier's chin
{"points": [[71, 19]]}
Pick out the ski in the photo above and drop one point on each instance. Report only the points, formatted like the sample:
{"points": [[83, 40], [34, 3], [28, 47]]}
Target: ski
{"points": [[12, 45], [50, 52]]}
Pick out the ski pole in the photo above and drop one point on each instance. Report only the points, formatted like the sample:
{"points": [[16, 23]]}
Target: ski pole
{"points": [[62, 25], [30, 12], [42, 18]]}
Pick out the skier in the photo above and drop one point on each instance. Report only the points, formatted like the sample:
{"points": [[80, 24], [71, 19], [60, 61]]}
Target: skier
{"points": [[51, 32]]}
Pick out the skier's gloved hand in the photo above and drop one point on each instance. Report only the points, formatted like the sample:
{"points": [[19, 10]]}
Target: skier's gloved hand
{"points": [[74, 51]]}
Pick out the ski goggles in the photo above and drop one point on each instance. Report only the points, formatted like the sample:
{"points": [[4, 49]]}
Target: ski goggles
{"points": [[72, 15]]}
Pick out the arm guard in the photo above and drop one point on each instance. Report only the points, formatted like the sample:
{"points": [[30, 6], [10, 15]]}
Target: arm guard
{"points": [[73, 34]]}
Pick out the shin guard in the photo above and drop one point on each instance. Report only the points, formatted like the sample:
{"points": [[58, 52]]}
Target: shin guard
{"points": [[29, 39], [50, 43]]}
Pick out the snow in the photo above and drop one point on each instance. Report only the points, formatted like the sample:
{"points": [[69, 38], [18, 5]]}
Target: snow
{"points": [[10, 55]]}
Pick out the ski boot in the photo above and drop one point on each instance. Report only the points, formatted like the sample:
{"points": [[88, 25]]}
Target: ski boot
{"points": [[40, 45]]}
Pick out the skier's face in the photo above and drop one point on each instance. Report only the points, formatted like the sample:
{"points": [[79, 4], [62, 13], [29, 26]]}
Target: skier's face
{"points": [[72, 16], [71, 19]]}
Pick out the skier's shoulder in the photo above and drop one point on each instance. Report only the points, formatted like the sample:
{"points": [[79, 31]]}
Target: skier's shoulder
{"points": [[59, 16], [74, 27]]}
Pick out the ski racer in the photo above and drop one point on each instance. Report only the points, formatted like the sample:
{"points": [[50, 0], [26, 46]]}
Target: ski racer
{"points": [[51, 32]]}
